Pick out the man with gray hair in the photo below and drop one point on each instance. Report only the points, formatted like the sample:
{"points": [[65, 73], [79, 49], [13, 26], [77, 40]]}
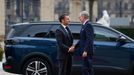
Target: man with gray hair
{"points": [[85, 44]]}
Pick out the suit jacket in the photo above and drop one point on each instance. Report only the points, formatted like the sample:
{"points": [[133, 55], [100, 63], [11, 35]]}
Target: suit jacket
{"points": [[86, 39], [64, 42]]}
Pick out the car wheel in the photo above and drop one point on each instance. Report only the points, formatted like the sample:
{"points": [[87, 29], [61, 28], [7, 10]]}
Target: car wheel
{"points": [[36, 66], [132, 70]]}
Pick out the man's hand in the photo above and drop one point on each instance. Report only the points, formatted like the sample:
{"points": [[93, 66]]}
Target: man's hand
{"points": [[71, 49], [84, 54]]}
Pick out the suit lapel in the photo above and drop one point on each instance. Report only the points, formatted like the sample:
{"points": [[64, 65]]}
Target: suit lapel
{"points": [[70, 34], [67, 35], [83, 26], [64, 31]]}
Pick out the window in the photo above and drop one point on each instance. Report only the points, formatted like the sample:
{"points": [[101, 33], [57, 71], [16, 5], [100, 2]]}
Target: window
{"points": [[31, 30], [36, 8], [105, 5], [126, 6], [104, 34], [132, 6], [31, 10], [132, 19], [108, 6], [40, 35], [49, 34], [116, 6], [8, 4]]}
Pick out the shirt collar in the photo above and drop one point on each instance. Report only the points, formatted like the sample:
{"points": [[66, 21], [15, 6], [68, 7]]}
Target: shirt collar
{"points": [[85, 21], [63, 26]]}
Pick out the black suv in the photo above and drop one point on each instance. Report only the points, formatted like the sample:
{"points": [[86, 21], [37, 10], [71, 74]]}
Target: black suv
{"points": [[31, 49]]}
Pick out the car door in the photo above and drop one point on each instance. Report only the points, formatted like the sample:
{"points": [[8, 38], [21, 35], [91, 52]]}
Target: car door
{"points": [[108, 55]]}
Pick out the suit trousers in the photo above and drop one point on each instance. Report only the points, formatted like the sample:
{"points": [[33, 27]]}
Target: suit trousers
{"points": [[65, 66], [87, 68]]}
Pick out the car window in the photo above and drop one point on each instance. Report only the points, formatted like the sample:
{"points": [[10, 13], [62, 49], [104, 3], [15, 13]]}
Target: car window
{"points": [[75, 28], [32, 31], [48, 34], [105, 34], [36, 29], [40, 34]]}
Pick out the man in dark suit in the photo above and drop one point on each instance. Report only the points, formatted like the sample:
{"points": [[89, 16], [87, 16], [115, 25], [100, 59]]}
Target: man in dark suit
{"points": [[65, 41], [86, 43]]}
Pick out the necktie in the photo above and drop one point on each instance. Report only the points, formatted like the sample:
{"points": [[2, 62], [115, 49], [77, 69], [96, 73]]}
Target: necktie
{"points": [[67, 30]]}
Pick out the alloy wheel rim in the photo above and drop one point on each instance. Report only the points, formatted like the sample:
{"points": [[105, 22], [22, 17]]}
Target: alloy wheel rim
{"points": [[36, 68]]}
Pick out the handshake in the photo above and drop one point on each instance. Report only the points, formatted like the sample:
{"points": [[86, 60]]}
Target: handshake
{"points": [[71, 49]]}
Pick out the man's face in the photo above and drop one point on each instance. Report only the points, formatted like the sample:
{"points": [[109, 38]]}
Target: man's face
{"points": [[66, 20], [81, 18]]}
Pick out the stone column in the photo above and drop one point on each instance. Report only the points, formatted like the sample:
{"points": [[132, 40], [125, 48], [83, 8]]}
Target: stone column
{"points": [[95, 11], [75, 8], [2, 18], [87, 5], [47, 10]]}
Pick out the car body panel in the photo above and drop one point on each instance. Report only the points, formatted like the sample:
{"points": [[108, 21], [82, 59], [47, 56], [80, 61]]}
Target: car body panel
{"points": [[35, 39]]}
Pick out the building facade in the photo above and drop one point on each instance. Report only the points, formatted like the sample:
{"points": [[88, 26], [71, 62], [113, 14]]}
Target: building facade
{"points": [[2, 19], [37, 10], [42, 10], [117, 8], [14, 11], [22, 10]]}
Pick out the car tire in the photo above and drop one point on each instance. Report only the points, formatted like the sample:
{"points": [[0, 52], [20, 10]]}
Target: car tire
{"points": [[36, 66], [132, 70]]}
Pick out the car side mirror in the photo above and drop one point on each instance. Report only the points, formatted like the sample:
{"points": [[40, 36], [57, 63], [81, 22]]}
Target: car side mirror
{"points": [[121, 41]]}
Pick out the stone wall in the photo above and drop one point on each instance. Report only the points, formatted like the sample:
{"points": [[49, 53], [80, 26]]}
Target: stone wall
{"points": [[2, 19]]}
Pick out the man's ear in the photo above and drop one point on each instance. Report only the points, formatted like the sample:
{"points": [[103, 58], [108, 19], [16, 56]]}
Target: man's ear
{"points": [[62, 21]]}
